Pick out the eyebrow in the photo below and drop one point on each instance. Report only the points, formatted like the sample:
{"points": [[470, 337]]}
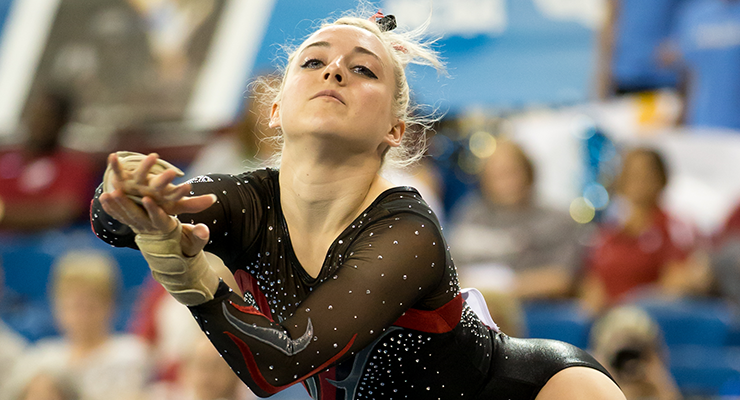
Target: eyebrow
{"points": [[357, 49]]}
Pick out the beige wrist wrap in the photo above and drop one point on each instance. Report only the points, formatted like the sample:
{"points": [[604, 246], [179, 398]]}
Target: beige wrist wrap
{"points": [[190, 280], [129, 160]]}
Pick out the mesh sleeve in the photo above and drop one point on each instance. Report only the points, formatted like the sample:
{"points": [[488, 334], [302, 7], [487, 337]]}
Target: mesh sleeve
{"points": [[234, 220], [391, 266]]}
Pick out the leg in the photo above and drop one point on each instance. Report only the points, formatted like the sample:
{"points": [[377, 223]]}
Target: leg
{"points": [[580, 383]]}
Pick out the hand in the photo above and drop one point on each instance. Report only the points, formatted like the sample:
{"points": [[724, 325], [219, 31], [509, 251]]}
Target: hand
{"points": [[138, 180], [153, 220], [158, 195]]}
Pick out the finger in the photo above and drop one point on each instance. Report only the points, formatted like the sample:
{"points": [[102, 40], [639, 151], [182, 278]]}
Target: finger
{"points": [[178, 192], [133, 215], [160, 220], [141, 173], [111, 207], [115, 166], [191, 205], [123, 210], [194, 239], [160, 182]]}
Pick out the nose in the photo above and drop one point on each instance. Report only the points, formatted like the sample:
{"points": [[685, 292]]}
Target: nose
{"points": [[336, 75], [334, 71]]}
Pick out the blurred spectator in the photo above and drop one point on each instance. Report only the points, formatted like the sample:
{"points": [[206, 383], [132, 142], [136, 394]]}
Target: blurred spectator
{"points": [[42, 384], [725, 258], [43, 185], [103, 365], [639, 249], [248, 144], [632, 38], [502, 240], [12, 344], [166, 326], [424, 177], [630, 345], [205, 375], [707, 38]]}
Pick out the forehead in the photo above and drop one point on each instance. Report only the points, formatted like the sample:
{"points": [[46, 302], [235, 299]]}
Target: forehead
{"points": [[350, 37]]}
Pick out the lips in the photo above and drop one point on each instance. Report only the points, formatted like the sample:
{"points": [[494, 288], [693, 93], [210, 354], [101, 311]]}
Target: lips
{"points": [[329, 93]]}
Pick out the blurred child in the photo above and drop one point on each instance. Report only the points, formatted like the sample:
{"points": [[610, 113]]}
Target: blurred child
{"points": [[103, 365]]}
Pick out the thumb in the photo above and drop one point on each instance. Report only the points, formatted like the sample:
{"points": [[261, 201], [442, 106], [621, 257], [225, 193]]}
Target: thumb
{"points": [[194, 238]]}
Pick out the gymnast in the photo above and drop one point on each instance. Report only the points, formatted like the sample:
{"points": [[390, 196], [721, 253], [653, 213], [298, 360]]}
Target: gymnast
{"points": [[334, 277]]}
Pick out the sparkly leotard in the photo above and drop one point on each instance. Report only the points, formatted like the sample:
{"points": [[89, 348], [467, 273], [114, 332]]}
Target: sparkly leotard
{"points": [[384, 319]]}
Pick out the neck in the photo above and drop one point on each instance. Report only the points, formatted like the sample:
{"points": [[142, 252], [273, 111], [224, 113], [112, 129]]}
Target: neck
{"points": [[86, 344], [640, 219], [322, 195]]}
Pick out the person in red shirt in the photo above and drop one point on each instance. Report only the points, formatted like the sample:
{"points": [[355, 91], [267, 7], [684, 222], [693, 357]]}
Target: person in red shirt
{"points": [[43, 185], [641, 248]]}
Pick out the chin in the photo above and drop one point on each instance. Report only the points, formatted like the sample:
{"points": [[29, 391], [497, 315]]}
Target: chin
{"points": [[319, 127]]}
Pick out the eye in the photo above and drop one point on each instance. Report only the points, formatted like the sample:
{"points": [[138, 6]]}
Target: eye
{"points": [[363, 70], [312, 63]]}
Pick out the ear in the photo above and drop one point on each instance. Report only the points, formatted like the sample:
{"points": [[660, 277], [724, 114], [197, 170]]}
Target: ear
{"points": [[394, 137], [274, 116]]}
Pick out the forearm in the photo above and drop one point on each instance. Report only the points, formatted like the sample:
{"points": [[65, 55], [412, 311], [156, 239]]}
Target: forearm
{"points": [[265, 355], [187, 277], [107, 228]]}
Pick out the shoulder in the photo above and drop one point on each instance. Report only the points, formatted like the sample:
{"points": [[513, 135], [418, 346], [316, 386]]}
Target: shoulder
{"points": [[257, 177], [402, 199], [680, 231], [50, 351], [126, 346], [400, 213], [259, 182]]}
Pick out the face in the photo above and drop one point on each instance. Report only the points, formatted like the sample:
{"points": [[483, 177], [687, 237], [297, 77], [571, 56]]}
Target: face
{"points": [[82, 311], [641, 180], [340, 86], [505, 179]]}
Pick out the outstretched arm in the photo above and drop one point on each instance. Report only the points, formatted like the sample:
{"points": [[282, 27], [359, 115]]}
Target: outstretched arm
{"points": [[137, 176], [174, 251]]}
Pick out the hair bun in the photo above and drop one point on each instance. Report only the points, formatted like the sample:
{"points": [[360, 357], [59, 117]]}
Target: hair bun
{"points": [[387, 23]]}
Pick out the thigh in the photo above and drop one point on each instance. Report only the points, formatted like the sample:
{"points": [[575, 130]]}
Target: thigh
{"points": [[580, 383], [522, 367]]}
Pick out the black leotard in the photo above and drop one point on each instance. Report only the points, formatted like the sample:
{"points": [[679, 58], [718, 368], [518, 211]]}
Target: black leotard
{"points": [[384, 318]]}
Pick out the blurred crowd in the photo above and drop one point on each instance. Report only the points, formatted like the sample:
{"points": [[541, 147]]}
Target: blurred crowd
{"points": [[608, 254]]}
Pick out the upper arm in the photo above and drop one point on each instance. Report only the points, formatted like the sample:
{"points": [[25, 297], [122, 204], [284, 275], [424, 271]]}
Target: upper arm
{"points": [[234, 219], [390, 266]]}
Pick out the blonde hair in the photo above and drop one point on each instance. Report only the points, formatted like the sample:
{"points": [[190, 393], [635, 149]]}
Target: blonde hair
{"points": [[404, 48], [93, 268]]}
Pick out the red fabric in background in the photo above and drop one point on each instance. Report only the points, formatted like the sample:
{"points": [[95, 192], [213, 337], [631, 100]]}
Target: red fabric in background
{"points": [[623, 262], [44, 180]]}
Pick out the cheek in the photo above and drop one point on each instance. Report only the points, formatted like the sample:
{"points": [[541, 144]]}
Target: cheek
{"points": [[380, 101]]}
